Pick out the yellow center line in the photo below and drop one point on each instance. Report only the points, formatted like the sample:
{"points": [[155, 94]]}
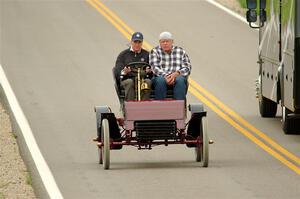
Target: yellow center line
{"points": [[195, 88], [110, 19], [116, 21], [244, 122], [114, 16], [243, 131]]}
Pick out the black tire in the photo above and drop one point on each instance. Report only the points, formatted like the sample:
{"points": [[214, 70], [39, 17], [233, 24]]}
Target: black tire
{"points": [[267, 107], [289, 125]]}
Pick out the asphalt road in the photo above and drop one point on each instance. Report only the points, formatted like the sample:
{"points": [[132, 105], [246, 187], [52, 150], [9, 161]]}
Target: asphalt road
{"points": [[58, 57]]}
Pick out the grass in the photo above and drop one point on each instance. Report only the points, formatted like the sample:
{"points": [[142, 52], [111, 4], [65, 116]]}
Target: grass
{"points": [[286, 9], [13, 135], [4, 185], [1, 187], [243, 3], [28, 178]]}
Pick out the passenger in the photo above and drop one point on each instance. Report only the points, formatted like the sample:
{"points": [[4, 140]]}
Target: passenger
{"points": [[123, 73], [171, 66]]}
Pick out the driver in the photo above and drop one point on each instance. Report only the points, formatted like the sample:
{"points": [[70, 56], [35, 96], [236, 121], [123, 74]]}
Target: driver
{"points": [[123, 73]]}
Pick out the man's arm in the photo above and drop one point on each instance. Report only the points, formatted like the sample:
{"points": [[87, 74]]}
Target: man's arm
{"points": [[154, 61], [186, 65], [119, 65], [120, 72]]}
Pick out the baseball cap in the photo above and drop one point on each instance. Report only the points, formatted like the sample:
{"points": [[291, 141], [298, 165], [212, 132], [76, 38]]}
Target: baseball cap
{"points": [[137, 36], [165, 35]]}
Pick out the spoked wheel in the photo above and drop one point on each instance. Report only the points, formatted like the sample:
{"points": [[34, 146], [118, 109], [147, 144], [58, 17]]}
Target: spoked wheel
{"points": [[201, 150], [105, 148]]}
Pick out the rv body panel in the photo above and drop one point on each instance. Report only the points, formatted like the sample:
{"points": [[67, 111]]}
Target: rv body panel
{"points": [[297, 58], [279, 53], [288, 54], [279, 59], [269, 49]]}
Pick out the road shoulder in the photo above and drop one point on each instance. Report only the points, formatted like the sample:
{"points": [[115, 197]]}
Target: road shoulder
{"points": [[15, 180]]}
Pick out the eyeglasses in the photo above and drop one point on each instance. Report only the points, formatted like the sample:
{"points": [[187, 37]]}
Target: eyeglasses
{"points": [[137, 41]]}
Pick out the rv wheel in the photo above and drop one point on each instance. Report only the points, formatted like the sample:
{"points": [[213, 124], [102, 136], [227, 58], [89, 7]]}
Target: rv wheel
{"points": [[267, 107]]}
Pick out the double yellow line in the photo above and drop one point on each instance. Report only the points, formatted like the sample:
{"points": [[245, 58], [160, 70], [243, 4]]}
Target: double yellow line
{"points": [[265, 142]]}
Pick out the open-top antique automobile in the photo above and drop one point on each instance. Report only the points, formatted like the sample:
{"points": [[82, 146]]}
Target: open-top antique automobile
{"points": [[151, 123]]}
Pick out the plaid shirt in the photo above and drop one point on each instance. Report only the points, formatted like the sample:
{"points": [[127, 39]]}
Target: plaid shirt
{"points": [[166, 63]]}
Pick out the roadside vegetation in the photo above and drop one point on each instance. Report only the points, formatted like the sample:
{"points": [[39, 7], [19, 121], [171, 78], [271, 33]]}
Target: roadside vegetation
{"points": [[286, 9], [15, 180], [242, 3]]}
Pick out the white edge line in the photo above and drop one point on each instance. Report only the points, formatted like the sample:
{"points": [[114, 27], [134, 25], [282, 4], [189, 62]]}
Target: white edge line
{"points": [[213, 2], [30, 141]]}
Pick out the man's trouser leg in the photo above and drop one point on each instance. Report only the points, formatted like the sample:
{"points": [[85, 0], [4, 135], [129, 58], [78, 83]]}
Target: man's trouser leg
{"points": [[145, 95], [128, 86], [160, 87], [179, 88]]}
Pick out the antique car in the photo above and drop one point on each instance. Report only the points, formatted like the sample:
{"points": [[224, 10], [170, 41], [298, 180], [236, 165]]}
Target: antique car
{"points": [[150, 123]]}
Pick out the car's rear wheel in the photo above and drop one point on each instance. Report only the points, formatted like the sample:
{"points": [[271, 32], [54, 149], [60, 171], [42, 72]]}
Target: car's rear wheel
{"points": [[202, 149]]}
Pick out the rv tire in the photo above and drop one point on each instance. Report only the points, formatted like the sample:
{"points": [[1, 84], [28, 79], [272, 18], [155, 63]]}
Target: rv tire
{"points": [[267, 107]]}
